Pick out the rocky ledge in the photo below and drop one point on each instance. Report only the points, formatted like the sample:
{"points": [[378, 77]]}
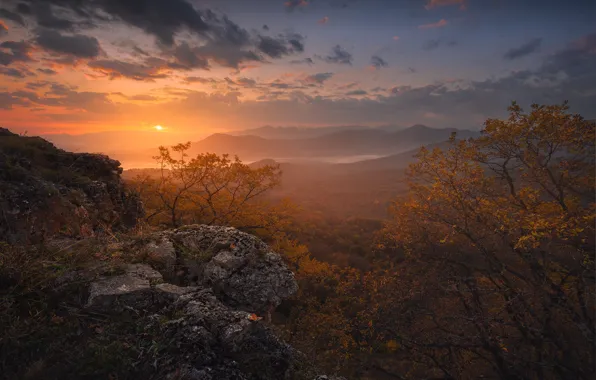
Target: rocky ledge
{"points": [[202, 294], [49, 192]]}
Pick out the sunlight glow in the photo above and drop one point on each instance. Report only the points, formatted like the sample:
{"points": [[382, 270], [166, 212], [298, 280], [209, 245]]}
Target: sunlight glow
{"points": [[158, 128]]}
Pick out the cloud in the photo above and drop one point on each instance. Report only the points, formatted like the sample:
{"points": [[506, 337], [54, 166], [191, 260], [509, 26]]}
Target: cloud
{"points": [[523, 50], [19, 52], [296, 40], [187, 58], [12, 16], [340, 56], [318, 79], [15, 73], [114, 69], [274, 48], [293, 4], [265, 27], [281, 46], [3, 29], [439, 24], [324, 20], [378, 62], [162, 19], [77, 45], [395, 38], [45, 17], [202, 80], [441, 3], [356, 93], [435, 43], [191, 37], [307, 61], [63, 97], [47, 71]]}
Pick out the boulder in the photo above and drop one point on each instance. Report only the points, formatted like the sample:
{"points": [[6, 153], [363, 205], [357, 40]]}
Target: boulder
{"points": [[132, 289], [239, 267]]}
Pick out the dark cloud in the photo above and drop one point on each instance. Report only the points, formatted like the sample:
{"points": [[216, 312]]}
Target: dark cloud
{"points": [[77, 45], [319, 78], [12, 16], [23, 8], [296, 41], [132, 47], [188, 58], [436, 43], [160, 18], [340, 56], [308, 61], [378, 62], [68, 98], [523, 50], [137, 71], [356, 93], [3, 29], [38, 84], [274, 48], [208, 36], [19, 52], [44, 14], [265, 27], [201, 80], [293, 4], [227, 55], [281, 46], [15, 73], [242, 82], [7, 101]]}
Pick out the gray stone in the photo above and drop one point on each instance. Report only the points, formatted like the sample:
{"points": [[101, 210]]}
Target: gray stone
{"points": [[133, 289], [240, 267], [163, 251]]}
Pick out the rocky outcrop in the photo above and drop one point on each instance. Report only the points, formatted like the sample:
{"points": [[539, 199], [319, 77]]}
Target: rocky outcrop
{"points": [[203, 301], [46, 192]]}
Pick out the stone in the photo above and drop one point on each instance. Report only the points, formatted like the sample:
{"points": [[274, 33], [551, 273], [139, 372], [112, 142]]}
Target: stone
{"points": [[240, 267], [133, 289]]}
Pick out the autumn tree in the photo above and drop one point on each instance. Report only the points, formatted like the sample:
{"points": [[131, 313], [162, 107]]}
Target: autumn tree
{"points": [[207, 188], [499, 232]]}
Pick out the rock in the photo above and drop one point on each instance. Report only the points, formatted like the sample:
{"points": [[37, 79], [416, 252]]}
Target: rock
{"points": [[48, 192], [241, 268], [133, 289], [163, 252], [211, 331], [170, 292]]}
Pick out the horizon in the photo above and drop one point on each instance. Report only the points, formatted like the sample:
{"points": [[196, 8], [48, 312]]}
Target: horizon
{"points": [[204, 67]]}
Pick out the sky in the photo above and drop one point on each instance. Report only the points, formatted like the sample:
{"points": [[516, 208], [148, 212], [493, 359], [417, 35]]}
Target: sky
{"points": [[204, 66]]}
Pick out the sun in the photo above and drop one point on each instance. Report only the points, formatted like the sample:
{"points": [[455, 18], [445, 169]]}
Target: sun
{"points": [[158, 128]]}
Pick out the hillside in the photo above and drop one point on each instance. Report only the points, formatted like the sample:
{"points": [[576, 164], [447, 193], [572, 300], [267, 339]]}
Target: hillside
{"points": [[48, 191]]}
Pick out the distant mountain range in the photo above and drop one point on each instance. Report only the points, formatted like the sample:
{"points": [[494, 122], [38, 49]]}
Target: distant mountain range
{"points": [[355, 142]]}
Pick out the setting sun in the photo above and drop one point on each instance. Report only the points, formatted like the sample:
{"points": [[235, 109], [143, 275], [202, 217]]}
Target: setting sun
{"points": [[158, 128]]}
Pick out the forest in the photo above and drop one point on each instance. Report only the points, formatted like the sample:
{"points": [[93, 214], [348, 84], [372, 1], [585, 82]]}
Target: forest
{"points": [[483, 268]]}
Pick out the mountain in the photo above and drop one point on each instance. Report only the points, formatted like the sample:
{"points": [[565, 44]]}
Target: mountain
{"points": [[348, 143], [284, 133]]}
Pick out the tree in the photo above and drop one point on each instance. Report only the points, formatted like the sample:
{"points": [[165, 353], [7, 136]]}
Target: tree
{"points": [[208, 189], [502, 228]]}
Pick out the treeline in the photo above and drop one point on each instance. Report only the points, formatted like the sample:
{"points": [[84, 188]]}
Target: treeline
{"points": [[486, 268]]}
